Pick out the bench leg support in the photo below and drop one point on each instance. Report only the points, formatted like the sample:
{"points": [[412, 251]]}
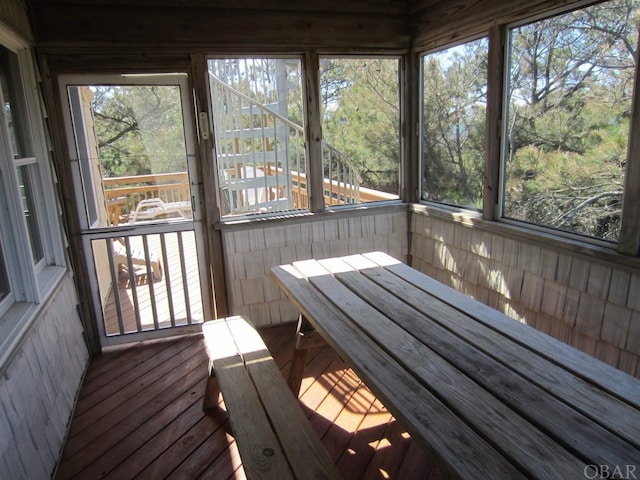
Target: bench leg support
{"points": [[212, 391]]}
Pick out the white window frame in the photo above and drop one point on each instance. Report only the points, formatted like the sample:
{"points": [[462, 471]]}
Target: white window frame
{"points": [[31, 283]]}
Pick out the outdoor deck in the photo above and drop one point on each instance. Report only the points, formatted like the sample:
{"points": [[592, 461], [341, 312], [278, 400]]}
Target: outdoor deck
{"points": [[140, 415], [176, 293]]}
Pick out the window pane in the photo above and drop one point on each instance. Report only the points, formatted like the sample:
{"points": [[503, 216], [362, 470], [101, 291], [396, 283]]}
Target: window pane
{"points": [[132, 152], [454, 86], [259, 134], [360, 101], [571, 80], [13, 103], [80, 102], [5, 288], [26, 182]]}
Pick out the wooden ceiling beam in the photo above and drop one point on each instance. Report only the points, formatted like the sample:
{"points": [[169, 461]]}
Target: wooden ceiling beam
{"points": [[135, 27]]}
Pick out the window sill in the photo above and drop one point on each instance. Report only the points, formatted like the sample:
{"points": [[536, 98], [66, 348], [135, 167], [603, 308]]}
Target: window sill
{"points": [[16, 323], [304, 216]]}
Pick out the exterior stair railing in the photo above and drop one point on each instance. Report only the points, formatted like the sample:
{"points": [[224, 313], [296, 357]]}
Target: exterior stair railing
{"points": [[261, 158]]}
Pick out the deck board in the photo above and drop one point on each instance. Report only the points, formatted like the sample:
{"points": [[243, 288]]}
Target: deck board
{"points": [[141, 417]]}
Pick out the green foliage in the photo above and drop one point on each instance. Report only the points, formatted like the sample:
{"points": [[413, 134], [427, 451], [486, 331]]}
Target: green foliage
{"points": [[569, 101], [570, 85], [139, 129], [361, 102], [454, 119]]}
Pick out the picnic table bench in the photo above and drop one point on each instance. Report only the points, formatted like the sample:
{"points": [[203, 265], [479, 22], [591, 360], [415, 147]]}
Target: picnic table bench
{"points": [[485, 395], [274, 437]]}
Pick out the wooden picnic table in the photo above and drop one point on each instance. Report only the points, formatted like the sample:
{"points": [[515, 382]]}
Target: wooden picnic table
{"points": [[488, 397]]}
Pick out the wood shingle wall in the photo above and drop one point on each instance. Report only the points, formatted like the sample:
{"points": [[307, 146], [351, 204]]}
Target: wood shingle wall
{"points": [[590, 303], [39, 388], [251, 252], [42, 370]]}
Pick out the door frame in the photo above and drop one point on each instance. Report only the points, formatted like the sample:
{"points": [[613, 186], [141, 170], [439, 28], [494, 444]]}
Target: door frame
{"points": [[87, 234]]}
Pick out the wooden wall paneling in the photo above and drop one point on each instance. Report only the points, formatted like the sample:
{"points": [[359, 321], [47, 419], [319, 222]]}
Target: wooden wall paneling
{"points": [[590, 315], [615, 326], [274, 234], [351, 6], [599, 280], [579, 275], [633, 335], [633, 295], [15, 15], [629, 363], [577, 299], [253, 249], [553, 299], [116, 60], [608, 353], [39, 389], [128, 26], [441, 22], [619, 287]]}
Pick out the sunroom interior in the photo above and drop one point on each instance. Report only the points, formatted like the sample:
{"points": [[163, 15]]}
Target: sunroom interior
{"points": [[160, 157]]}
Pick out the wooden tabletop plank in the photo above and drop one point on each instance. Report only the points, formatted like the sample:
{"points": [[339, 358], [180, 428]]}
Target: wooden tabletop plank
{"points": [[611, 379], [433, 425], [537, 454], [589, 399], [469, 355], [584, 437]]}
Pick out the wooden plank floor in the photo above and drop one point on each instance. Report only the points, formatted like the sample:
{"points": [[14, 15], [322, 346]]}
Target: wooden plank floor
{"points": [[139, 415]]}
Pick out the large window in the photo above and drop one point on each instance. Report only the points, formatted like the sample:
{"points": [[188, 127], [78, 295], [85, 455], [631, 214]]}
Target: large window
{"points": [[360, 108], [30, 243], [569, 100], [258, 123], [259, 115], [454, 89], [131, 150], [21, 149]]}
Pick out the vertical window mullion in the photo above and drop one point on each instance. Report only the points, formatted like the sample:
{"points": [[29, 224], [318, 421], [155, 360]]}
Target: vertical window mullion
{"points": [[311, 69], [629, 241], [32, 206], [494, 135]]}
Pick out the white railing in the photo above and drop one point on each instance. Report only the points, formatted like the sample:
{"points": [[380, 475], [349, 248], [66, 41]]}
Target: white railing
{"points": [[341, 179], [261, 157], [148, 282]]}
